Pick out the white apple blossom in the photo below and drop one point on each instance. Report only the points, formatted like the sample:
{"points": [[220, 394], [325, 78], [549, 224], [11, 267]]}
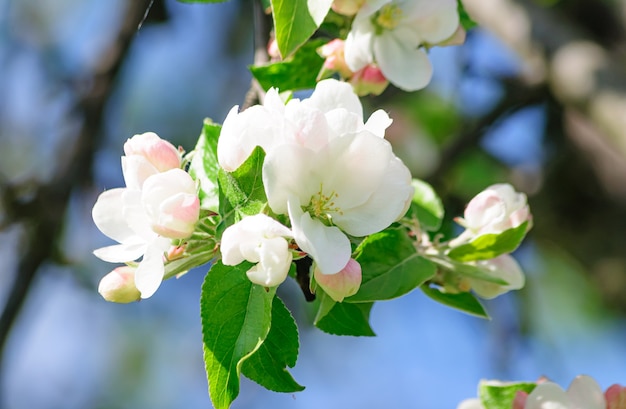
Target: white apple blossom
{"points": [[392, 33], [324, 167], [494, 210], [262, 240], [147, 155], [143, 217], [504, 267]]}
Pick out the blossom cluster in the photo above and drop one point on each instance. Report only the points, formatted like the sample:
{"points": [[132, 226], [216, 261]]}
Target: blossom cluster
{"points": [[388, 42], [582, 393]]}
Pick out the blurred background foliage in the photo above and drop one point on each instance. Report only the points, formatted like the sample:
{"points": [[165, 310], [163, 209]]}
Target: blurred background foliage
{"points": [[536, 97]]}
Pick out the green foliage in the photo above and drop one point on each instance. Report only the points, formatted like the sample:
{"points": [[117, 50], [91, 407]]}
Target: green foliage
{"points": [[236, 317], [343, 318], [466, 20], [501, 396], [488, 246], [298, 72], [204, 166], [267, 366], [242, 191], [426, 206], [391, 266], [465, 302], [295, 21]]}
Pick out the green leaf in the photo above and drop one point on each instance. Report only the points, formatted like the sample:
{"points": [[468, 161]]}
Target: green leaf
{"points": [[466, 270], [466, 20], [465, 302], [500, 395], [426, 206], [488, 246], [236, 317], [343, 318], [295, 21], [204, 166], [267, 366], [298, 72], [243, 188], [390, 266]]}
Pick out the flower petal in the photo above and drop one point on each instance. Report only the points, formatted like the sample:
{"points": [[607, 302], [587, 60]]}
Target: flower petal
{"points": [[434, 21], [274, 262], [332, 94], [151, 269], [120, 253], [327, 245], [585, 393], [378, 123], [358, 46], [136, 169], [405, 66], [108, 217], [548, 395]]}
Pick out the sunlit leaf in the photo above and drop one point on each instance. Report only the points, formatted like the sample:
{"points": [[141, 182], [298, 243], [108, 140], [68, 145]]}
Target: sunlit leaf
{"points": [[343, 318], [426, 206], [236, 317], [465, 302], [267, 366], [295, 21], [488, 246], [498, 395], [391, 266], [204, 166]]}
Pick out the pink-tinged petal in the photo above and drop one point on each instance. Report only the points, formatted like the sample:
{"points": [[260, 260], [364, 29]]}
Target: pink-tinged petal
{"points": [[615, 397], [434, 21], [378, 123], [291, 170], [585, 393], [327, 245], [136, 169], [119, 286], [121, 253], [548, 395], [358, 50], [151, 269], [332, 94], [307, 125], [484, 209], [159, 152], [388, 202], [343, 284], [405, 66], [108, 217]]}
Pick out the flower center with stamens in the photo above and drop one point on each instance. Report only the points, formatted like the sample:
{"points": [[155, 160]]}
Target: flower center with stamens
{"points": [[322, 206], [387, 18]]}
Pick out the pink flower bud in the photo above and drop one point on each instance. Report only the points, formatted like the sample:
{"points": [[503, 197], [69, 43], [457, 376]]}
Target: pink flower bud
{"points": [[347, 7], [520, 400], [504, 267], [272, 50], [342, 284], [160, 153], [334, 57], [495, 209], [615, 397], [119, 286], [171, 203], [369, 80]]}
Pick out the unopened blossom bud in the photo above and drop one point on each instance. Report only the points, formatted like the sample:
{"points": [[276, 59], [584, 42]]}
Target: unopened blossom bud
{"points": [[494, 210], [504, 267], [519, 402], [342, 284], [146, 155], [369, 80], [119, 286], [171, 203], [615, 397], [334, 58], [347, 7], [258, 239], [159, 152], [272, 50]]}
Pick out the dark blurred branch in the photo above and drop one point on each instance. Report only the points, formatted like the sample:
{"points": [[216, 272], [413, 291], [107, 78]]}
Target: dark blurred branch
{"points": [[43, 215], [262, 29]]}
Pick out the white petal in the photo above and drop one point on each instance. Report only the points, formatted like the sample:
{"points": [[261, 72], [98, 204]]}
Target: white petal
{"points": [[370, 7], [344, 122], [378, 122], [387, 203], [548, 395], [274, 263], [291, 170], [108, 217], [306, 125], [327, 245], [120, 253], [435, 21], [358, 50], [471, 404], [136, 169], [150, 271], [402, 63], [332, 94], [318, 9], [585, 393], [135, 215]]}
